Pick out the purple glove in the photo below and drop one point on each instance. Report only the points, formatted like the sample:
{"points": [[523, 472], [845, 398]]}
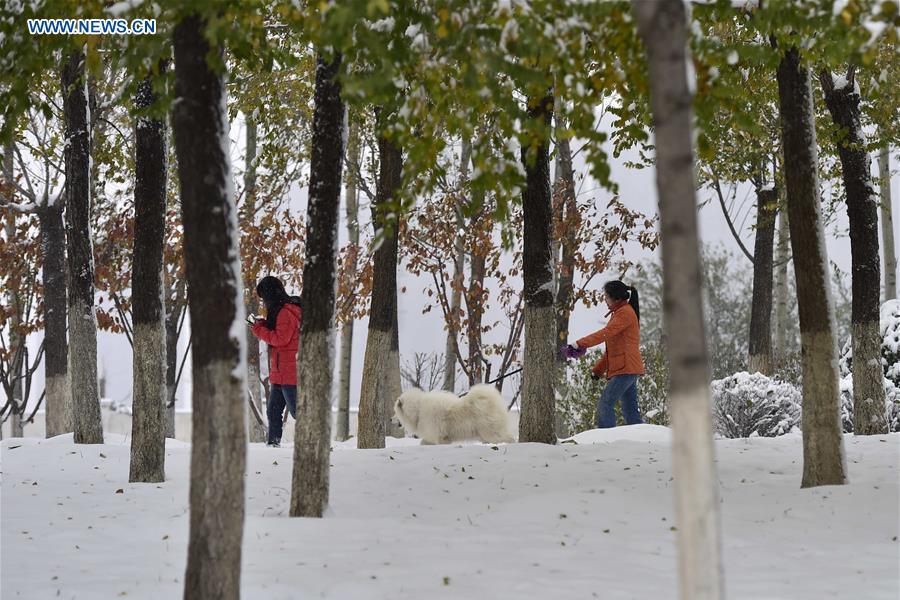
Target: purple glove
{"points": [[570, 351]]}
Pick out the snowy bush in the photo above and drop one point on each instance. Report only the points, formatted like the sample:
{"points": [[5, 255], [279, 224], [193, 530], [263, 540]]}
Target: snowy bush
{"points": [[890, 340], [889, 326], [891, 404], [747, 405], [653, 387], [788, 367]]}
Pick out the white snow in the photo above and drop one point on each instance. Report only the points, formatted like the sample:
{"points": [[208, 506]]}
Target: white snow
{"points": [[839, 81], [120, 8], [633, 433], [839, 6], [385, 25], [514, 521]]}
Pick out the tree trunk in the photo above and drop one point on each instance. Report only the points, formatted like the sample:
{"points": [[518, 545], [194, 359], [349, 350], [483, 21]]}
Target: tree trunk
{"points": [[172, 318], [760, 353], [15, 313], [375, 388], [536, 423], [887, 225], [82, 318], [663, 28], [449, 384], [315, 367], [148, 434], [783, 326], [823, 450], [862, 211], [257, 431], [352, 212], [570, 221], [475, 307], [215, 300], [16, 427], [58, 397], [394, 379]]}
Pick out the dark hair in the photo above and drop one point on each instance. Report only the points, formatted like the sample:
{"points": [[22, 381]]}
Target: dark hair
{"points": [[274, 296], [619, 291]]}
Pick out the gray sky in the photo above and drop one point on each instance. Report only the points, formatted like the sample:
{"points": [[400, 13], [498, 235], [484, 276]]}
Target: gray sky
{"points": [[424, 333]]}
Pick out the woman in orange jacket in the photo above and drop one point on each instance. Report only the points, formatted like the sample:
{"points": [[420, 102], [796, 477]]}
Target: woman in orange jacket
{"points": [[621, 364]]}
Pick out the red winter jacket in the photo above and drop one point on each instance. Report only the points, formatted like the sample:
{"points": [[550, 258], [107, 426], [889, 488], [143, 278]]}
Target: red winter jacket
{"points": [[282, 344]]}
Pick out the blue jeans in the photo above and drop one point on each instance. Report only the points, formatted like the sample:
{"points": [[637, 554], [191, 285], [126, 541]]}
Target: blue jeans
{"points": [[279, 395], [618, 387]]}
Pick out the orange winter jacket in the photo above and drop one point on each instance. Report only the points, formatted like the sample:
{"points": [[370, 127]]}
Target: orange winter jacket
{"points": [[622, 336]]}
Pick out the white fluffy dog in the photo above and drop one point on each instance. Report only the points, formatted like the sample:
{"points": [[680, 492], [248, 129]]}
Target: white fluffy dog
{"points": [[440, 417]]}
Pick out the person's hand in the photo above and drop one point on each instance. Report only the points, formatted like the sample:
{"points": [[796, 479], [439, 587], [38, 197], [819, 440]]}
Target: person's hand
{"points": [[570, 351], [252, 319]]}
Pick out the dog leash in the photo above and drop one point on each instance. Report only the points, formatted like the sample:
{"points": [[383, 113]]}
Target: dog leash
{"points": [[504, 376]]}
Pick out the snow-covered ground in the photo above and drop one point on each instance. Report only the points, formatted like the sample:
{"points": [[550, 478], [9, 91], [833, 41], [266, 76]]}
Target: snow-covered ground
{"points": [[578, 520]]}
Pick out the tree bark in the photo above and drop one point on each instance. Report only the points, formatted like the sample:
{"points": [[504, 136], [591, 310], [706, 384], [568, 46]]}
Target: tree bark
{"points": [[760, 351], [215, 300], [58, 397], [257, 431], [352, 213], [459, 259], [15, 310], [783, 326], [315, 367], [569, 219], [172, 317], [862, 210], [16, 341], [823, 450], [375, 388], [663, 28], [82, 318], [475, 307], [148, 434], [887, 225], [537, 419], [394, 379]]}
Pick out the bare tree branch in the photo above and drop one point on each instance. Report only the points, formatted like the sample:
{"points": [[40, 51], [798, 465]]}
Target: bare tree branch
{"points": [[718, 188]]}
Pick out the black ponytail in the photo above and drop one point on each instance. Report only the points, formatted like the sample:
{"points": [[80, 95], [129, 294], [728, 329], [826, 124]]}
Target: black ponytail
{"points": [[634, 302], [274, 296], [619, 291]]}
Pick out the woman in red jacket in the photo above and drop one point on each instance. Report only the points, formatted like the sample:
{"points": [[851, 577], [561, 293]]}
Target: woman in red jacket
{"points": [[281, 331], [621, 364]]}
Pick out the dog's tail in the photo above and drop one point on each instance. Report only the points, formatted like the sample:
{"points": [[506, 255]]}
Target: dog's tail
{"points": [[483, 393]]}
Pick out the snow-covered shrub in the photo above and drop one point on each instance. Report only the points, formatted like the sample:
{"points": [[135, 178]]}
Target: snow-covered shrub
{"points": [[747, 405], [788, 367], [890, 340], [889, 327], [891, 404], [653, 387]]}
